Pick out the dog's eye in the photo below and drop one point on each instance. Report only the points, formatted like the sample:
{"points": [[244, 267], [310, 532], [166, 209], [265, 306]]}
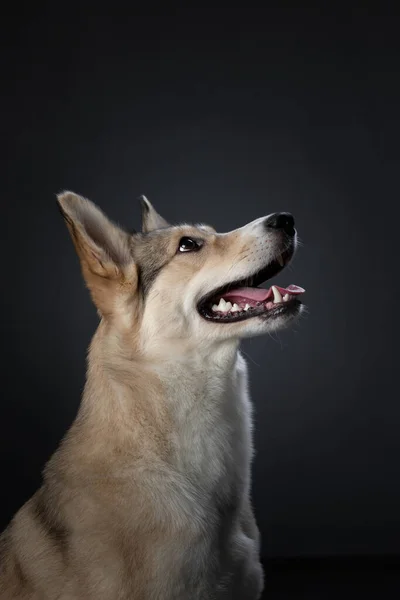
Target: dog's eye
{"points": [[187, 244]]}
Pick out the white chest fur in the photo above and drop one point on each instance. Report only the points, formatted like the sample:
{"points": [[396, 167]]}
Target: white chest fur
{"points": [[211, 414], [212, 455]]}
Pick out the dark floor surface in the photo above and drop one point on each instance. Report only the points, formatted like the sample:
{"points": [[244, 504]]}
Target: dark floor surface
{"points": [[332, 578]]}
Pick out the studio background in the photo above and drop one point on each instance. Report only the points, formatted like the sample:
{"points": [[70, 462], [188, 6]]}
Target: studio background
{"points": [[219, 119]]}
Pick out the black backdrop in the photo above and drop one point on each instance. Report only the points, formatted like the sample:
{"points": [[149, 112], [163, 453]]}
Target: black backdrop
{"points": [[222, 118]]}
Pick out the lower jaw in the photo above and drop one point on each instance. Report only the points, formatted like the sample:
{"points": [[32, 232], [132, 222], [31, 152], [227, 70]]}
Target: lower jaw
{"points": [[281, 309]]}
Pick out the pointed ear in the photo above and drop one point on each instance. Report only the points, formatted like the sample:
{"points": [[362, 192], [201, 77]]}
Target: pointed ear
{"points": [[150, 218], [103, 249]]}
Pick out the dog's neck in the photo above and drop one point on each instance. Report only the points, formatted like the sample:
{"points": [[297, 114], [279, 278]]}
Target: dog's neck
{"points": [[118, 374]]}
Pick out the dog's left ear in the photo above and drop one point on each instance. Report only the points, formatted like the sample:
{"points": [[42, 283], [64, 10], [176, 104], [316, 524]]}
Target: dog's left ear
{"points": [[103, 249], [150, 218]]}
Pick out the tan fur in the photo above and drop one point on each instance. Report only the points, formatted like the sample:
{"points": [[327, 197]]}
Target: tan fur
{"points": [[148, 494]]}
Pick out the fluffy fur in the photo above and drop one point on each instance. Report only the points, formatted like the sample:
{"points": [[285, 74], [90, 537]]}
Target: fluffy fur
{"points": [[148, 494]]}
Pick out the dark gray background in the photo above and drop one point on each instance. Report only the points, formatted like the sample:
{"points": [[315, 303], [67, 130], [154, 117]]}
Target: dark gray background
{"points": [[220, 118]]}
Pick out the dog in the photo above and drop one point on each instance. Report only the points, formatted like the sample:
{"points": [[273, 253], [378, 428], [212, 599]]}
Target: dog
{"points": [[148, 496]]}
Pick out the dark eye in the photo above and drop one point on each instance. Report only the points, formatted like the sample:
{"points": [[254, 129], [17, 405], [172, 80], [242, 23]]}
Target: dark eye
{"points": [[186, 244]]}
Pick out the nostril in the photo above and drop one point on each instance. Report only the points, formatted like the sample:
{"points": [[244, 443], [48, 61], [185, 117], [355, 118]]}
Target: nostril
{"points": [[283, 220]]}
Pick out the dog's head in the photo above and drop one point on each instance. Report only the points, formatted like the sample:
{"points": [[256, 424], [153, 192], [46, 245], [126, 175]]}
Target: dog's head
{"points": [[185, 284]]}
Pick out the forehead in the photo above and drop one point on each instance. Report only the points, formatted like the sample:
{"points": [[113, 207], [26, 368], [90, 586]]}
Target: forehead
{"points": [[170, 235], [204, 227]]}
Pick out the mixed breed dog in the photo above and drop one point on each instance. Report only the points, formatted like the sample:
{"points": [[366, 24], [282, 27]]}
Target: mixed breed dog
{"points": [[148, 495]]}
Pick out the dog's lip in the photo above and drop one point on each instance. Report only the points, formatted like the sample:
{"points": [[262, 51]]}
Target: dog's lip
{"points": [[267, 310]]}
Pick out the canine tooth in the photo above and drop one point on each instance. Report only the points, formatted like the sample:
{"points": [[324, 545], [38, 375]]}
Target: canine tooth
{"points": [[247, 306], [281, 261], [222, 304], [277, 295], [235, 308], [286, 297], [214, 308]]}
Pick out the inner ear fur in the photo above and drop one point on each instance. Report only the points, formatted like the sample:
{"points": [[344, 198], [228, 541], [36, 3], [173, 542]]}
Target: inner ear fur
{"points": [[103, 248]]}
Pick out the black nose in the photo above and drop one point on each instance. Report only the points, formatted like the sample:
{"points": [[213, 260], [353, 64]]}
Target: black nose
{"points": [[281, 220]]}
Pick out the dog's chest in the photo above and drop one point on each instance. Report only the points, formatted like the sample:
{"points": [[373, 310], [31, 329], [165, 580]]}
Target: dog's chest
{"points": [[211, 437]]}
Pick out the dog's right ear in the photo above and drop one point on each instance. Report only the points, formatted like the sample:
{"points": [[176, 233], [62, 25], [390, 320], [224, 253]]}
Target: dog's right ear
{"points": [[150, 218], [103, 249]]}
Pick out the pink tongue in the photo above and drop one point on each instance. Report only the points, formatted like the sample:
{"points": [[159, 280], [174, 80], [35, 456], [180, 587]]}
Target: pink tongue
{"points": [[260, 295]]}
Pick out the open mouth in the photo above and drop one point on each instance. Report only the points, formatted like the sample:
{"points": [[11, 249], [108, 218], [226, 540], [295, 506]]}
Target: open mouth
{"points": [[243, 299]]}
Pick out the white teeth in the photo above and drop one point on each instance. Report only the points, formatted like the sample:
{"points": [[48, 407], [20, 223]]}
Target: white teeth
{"points": [[277, 295], [226, 307], [221, 305], [280, 261]]}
